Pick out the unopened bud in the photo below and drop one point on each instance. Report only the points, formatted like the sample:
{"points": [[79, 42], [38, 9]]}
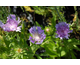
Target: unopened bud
{"points": [[47, 30]]}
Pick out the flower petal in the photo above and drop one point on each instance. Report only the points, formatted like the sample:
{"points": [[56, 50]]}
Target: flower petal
{"points": [[18, 29], [31, 39], [18, 20], [1, 23]]}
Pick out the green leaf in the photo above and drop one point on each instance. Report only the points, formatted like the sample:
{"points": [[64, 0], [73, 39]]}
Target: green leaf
{"points": [[50, 49], [53, 21], [44, 54], [73, 56], [38, 56], [34, 47], [63, 53], [75, 47], [69, 44], [37, 23]]}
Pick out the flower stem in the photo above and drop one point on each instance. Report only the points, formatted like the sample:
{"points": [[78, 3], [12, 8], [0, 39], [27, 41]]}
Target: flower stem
{"points": [[58, 13]]}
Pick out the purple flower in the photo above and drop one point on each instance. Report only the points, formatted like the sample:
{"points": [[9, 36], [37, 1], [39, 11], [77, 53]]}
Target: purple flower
{"points": [[11, 24], [62, 30], [37, 35]]}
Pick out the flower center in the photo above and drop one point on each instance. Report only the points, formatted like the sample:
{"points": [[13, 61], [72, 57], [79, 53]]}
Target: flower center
{"points": [[13, 27], [62, 31], [36, 37]]}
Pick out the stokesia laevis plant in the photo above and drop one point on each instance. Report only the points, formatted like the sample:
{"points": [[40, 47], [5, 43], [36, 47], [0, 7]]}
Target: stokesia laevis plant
{"points": [[62, 30], [11, 24], [37, 35]]}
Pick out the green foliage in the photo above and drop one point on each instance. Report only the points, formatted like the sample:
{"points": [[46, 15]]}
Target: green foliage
{"points": [[13, 45], [4, 12], [39, 10]]}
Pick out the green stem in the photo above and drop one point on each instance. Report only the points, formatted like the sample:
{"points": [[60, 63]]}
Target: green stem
{"points": [[58, 13], [60, 50]]}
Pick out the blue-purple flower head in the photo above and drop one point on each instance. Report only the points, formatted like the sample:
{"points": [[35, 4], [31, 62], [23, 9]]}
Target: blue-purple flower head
{"points": [[11, 24], [37, 35], [62, 30]]}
